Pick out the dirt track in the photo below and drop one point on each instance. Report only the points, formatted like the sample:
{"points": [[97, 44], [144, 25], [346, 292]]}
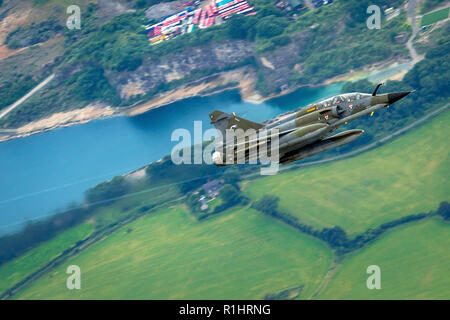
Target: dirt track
{"points": [[25, 97]]}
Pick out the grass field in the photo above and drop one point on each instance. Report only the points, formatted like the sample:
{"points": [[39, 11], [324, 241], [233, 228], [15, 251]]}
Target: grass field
{"points": [[414, 262], [16, 270], [214, 203], [239, 254], [407, 176], [435, 16]]}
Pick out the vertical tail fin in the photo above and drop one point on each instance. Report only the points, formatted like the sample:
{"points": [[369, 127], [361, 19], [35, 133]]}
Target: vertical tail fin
{"points": [[223, 121]]}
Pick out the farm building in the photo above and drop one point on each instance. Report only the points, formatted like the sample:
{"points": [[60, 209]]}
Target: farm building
{"points": [[212, 188], [203, 203]]}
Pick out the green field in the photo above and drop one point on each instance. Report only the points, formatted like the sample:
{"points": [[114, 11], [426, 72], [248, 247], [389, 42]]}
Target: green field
{"points": [[407, 176], [414, 261], [15, 270], [240, 254], [434, 17]]}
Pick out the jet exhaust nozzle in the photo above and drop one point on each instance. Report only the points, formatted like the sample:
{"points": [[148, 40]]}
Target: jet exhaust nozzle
{"points": [[217, 159]]}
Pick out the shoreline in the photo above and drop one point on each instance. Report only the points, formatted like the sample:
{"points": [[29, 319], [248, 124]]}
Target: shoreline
{"points": [[60, 120], [242, 79]]}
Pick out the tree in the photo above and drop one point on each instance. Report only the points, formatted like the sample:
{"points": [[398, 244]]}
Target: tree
{"points": [[267, 204], [280, 41], [266, 28], [444, 210], [235, 27], [91, 83], [107, 190], [336, 236], [230, 194]]}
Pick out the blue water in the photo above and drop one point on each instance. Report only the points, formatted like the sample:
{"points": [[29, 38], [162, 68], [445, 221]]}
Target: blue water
{"points": [[43, 174]]}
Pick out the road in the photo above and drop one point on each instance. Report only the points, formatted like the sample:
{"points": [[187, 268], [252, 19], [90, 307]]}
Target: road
{"points": [[7, 110], [412, 19]]}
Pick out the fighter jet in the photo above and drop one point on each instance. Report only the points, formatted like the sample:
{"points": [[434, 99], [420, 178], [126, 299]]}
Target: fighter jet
{"points": [[304, 132]]}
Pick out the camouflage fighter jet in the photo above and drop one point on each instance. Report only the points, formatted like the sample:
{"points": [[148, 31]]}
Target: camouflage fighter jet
{"points": [[306, 131]]}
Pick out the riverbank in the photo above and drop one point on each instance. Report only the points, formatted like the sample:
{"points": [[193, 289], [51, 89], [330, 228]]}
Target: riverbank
{"points": [[242, 79], [62, 119]]}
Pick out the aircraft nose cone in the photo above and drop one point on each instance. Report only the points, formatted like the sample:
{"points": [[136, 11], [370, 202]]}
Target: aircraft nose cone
{"points": [[395, 96]]}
